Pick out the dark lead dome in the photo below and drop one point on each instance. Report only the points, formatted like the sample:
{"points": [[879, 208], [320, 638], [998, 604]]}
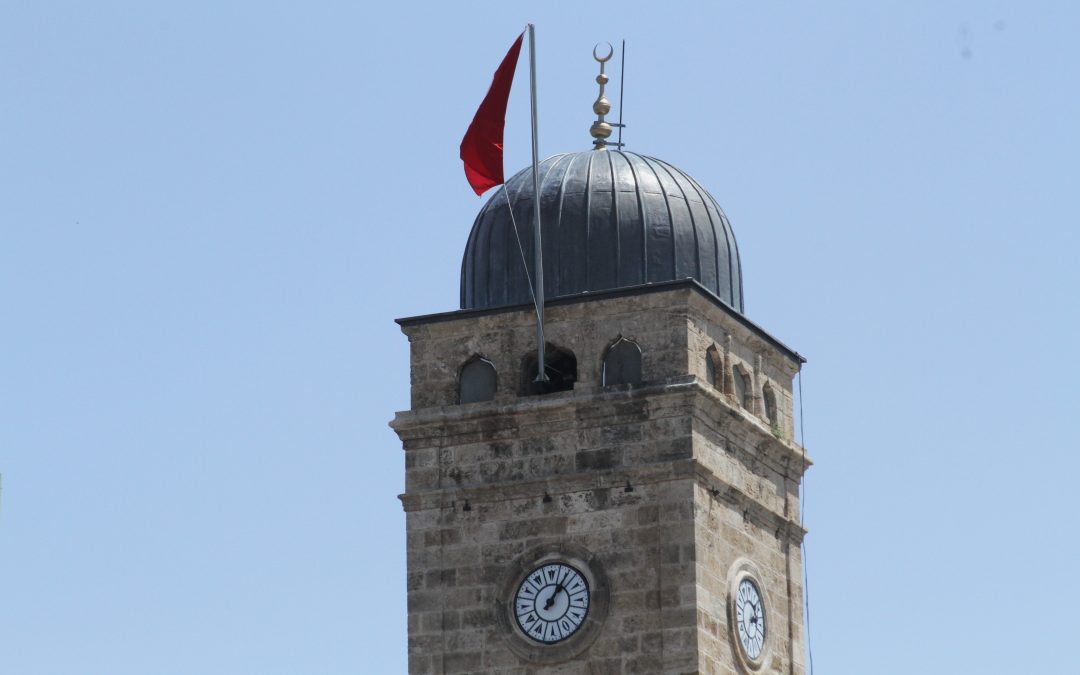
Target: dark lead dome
{"points": [[611, 219]]}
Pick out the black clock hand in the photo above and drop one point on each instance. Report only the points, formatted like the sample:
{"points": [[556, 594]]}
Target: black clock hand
{"points": [[551, 598]]}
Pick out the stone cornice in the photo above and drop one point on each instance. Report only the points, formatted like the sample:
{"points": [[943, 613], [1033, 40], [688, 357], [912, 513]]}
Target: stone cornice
{"points": [[652, 287], [782, 455], [441, 420]]}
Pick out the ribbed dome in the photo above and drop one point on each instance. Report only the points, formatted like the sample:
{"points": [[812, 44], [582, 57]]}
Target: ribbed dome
{"points": [[611, 219]]}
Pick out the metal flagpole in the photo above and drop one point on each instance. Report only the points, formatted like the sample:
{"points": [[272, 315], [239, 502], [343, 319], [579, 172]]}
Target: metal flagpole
{"points": [[622, 80], [541, 375]]}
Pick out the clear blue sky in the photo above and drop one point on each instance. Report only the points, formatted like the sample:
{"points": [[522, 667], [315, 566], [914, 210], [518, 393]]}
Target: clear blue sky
{"points": [[211, 213]]}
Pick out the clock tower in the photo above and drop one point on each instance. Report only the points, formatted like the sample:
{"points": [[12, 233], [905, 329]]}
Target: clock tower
{"points": [[639, 512]]}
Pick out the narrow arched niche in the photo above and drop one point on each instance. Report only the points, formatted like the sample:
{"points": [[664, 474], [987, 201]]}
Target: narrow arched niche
{"points": [[560, 365], [622, 363], [742, 387], [768, 399], [477, 380], [714, 367]]}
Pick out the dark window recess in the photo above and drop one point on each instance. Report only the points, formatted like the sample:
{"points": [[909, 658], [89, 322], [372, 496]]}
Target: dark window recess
{"points": [[622, 363], [742, 389], [560, 366], [477, 381], [769, 400], [712, 360]]}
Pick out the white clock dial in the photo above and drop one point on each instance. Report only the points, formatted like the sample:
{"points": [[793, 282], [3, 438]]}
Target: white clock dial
{"points": [[552, 602], [750, 619]]}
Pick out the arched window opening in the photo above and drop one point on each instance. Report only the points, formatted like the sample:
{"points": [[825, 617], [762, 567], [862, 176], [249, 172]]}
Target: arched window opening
{"points": [[622, 363], [769, 399], [742, 387], [714, 368], [560, 365], [477, 381]]}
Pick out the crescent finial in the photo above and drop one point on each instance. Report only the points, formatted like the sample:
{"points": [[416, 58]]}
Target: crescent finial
{"points": [[600, 129]]}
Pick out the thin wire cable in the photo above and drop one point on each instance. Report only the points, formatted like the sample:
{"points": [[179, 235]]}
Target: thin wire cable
{"points": [[521, 250], [802, 516]]}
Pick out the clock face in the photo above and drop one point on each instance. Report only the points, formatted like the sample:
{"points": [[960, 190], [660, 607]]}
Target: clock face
{"points": [[552, 602], [750, 619]]}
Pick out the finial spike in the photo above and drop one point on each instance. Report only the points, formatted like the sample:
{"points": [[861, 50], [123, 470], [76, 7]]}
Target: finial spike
{"points": [[600, 129]]}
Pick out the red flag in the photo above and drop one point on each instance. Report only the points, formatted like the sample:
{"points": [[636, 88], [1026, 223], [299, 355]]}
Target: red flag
{"points": [[482, 147]]}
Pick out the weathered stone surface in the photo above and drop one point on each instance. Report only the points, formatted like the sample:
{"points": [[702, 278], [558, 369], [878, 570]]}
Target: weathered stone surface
{"points": [[667, 483]]}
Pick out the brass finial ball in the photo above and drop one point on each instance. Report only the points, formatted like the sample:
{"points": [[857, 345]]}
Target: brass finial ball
{"points": [[600, 130]]}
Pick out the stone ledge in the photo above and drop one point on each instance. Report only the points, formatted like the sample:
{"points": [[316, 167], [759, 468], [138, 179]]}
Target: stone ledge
{"points": [[784, 456], [441, 417], [680, 288], [780, 454]]}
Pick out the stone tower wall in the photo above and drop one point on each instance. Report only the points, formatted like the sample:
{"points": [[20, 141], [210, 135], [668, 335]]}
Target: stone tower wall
{"points": [[666, 483]]}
